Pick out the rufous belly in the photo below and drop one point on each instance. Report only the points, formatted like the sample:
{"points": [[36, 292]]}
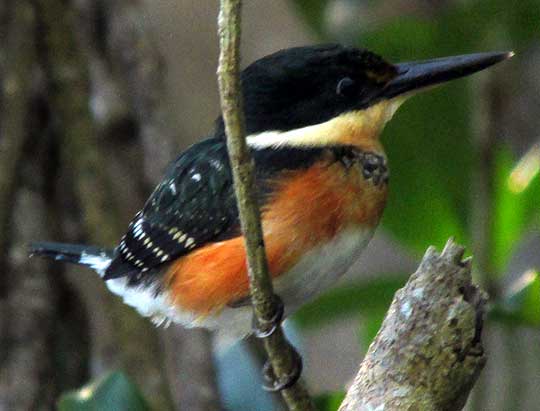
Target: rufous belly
{"points": [[315, 226]]}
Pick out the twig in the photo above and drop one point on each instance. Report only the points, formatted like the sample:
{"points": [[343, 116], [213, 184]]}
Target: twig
{"points": [[428, 352], [280, 352]]}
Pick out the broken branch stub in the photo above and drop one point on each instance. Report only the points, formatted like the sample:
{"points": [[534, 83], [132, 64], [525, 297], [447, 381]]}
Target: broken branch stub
{"points": [[428, 352]]}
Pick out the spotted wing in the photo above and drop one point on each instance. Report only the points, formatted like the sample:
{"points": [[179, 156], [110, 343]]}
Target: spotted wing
{"points": [[194, 204]]}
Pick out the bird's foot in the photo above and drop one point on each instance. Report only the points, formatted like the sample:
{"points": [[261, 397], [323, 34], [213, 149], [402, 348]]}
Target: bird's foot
{"points": [[274, 384], [264, 329]]}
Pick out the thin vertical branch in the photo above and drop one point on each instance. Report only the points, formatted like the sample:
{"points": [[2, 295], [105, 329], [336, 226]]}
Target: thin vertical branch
{"points": [[280, 352]]}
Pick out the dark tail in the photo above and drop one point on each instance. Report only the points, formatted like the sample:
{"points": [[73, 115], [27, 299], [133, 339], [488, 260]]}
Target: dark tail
{"points": [[94, 257]]}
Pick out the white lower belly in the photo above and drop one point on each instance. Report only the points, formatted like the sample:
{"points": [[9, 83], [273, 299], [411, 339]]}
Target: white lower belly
{"points": [[318, 270], [321, 267]]}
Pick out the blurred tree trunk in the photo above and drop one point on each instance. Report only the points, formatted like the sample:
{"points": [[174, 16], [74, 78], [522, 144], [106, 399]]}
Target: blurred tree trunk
{"points": [[82, 84], [27, 302]]}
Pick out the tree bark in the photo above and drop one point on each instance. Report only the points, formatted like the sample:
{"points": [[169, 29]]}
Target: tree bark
{"points": [[14, 108], [26, 301], [136, 346], [428, 352], [27, 375]]}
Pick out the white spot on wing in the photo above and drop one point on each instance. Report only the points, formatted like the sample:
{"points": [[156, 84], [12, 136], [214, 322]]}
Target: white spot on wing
{"points": [[216, 164]]}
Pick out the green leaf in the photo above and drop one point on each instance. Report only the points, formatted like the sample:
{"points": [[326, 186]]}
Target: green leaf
{"points": [[361, 298], [522, 306], [329, 401], [517, 203], [430, 158], [111, 393]]}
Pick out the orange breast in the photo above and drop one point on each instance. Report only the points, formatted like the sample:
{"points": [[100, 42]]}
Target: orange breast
{"points": [[308, 208]]}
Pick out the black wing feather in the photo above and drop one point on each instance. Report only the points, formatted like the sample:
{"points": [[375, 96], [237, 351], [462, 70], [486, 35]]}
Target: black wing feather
{"points": [[192, 205], [195, 204]]}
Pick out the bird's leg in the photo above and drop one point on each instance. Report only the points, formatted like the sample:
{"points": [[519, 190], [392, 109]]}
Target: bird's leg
{"points": [[274, 384], [264, 329]]}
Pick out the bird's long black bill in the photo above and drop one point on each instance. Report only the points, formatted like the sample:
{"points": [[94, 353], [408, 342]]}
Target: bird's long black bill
{"points": [[420, 74]]}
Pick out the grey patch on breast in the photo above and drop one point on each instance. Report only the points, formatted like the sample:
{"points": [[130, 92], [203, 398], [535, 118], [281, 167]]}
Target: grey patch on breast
{"points": [[374, 167]]}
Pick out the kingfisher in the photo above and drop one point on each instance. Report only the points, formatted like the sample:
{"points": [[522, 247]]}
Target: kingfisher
{"points": [[313, 119]]}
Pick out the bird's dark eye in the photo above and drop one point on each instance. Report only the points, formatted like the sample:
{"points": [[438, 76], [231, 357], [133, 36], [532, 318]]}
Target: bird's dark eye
{"points": [[345, 87]]}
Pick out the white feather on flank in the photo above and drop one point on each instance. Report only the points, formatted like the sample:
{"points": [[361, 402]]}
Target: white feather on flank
{"points": [[153, 304], [144, 298], [98, 263]]}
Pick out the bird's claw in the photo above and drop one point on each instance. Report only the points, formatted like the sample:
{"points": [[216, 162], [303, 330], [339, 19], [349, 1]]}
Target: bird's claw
{"points": [[264, 329], [274, 384]]}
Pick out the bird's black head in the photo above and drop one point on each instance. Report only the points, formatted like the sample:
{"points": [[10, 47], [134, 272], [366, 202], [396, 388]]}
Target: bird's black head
{"points": [[313, 85], [303, 86]]}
